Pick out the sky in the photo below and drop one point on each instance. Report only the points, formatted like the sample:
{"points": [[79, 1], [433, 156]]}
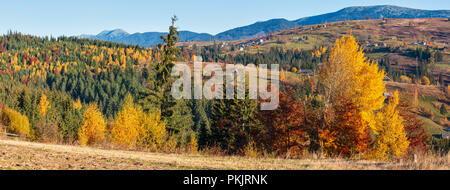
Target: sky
{"points": [[75, 17]]}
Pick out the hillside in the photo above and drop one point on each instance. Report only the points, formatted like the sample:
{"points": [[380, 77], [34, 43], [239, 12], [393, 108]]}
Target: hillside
{"points": [[393, 39], [263, 28]]}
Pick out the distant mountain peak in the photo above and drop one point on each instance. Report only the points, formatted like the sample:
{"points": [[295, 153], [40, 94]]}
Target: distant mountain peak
{"points": [[113, 33]]}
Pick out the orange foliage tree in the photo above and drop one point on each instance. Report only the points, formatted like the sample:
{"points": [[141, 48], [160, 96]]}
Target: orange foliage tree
{"points": [[343, 134], [284, 125]]}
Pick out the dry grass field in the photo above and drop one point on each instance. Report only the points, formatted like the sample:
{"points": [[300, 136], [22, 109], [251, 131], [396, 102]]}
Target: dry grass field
{"points": [[22, 155]]}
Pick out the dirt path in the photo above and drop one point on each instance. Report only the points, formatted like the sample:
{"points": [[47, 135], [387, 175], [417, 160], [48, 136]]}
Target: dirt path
{"points": [[29, 155]]}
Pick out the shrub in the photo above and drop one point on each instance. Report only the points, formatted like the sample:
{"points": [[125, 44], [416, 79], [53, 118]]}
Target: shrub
{"points": [[405, 79], [171, 143], [251, 150], [192, 144], [16, 122], [48, 132], [425, 80]]}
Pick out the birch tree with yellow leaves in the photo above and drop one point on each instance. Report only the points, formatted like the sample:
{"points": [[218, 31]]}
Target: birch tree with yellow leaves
{"points": [[154, 132], [127, 127], [348, 73], [133, 127], [93, 126], [391, 140]]}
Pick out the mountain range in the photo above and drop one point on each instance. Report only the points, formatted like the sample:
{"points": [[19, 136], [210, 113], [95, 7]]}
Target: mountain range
{"points": [[262, 28]]}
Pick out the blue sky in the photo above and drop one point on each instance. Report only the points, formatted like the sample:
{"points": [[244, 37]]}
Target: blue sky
{"points": [[74, 17]]}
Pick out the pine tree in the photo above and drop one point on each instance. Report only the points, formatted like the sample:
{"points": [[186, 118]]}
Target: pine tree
{"points": [[235, 123], [443, 110], [202, 123]]}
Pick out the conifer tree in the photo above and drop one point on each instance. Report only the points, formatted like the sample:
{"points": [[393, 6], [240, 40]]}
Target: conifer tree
{"points": [[235, 123], [159, 97], [202, 123], [176, 113], [443, 110]]}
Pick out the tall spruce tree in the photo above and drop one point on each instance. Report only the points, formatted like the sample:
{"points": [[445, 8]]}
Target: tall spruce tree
{"points": [[176, 113], [202, 123]]}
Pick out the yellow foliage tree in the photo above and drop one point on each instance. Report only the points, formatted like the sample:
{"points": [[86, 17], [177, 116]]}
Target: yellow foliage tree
{"points": [[93, 126], [347, 73], [192, 145], [127, 126], [133, 127], [16, 122], [44, 105], [391, 140], [294, 69], [425, 80], [77, 105], [405, 79], [448, 90], [282, 75], [153, 130]]}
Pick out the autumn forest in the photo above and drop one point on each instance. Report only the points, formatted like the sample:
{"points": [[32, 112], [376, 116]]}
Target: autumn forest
{"points": [[87, 92]]}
